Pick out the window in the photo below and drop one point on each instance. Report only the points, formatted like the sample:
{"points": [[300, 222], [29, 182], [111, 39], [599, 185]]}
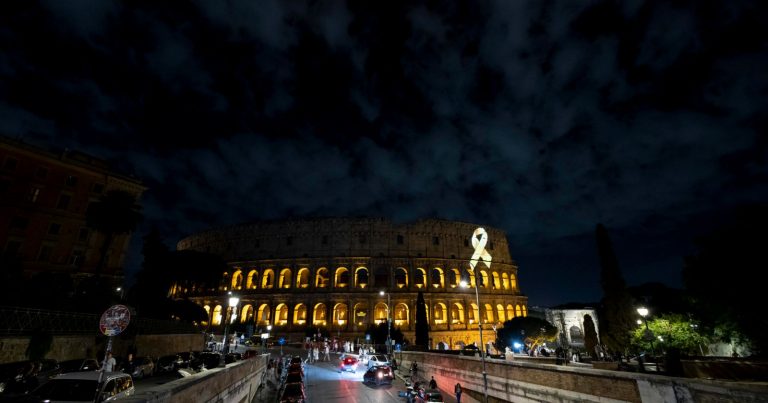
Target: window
{"points": [[54, 228], [41, 173], [400, 240], [10, 164], [19, 222], [63, 202], [34, 192], [71, 180], [82, 236], [435, 240], [45, 253], [97, 188]]}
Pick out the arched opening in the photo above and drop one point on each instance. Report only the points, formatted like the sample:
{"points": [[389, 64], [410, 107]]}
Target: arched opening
{"points": [[380, 313], [483, 279], [246, 314], [281, 315], [361, 277], [576, 335], [360, 314], [505, 280], [264, 315], [488, 313], [457, 314], [381, 277], [341, 278], [285, 278], [237, 280], [253, 279], [496, 281], [401, 278], [318, 315], [500, 313], [300, 314], [472, 278], [420, 278], [302, 278], [268, 279], [441, 314], [321, 278], [454, 277], [340, 314], [525, 311], [401, 317], [473, 313], [518, 311], [216, 318], [510, 311], [512, 282], [437, 278], [207, 314], [225, 283]]}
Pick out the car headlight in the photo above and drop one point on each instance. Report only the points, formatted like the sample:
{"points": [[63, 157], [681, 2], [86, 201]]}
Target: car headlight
{"points": [[380, 375]]}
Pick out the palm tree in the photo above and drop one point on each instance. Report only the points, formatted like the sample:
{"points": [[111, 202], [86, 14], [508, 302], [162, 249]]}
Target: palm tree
{"points": [[116, 213]]}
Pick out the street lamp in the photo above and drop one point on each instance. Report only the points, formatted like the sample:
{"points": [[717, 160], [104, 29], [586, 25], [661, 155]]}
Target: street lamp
{"points": [[479, 240], [264, 337], [233, 301], [389, 324], [339, 334], [648, 334]]}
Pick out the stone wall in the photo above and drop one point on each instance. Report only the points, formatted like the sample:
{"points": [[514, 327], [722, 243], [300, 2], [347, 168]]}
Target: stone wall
{"points": [[530, 382]]}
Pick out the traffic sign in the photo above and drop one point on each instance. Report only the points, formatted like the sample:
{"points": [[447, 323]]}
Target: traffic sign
{"points": [[114, 320], [281, 341]]}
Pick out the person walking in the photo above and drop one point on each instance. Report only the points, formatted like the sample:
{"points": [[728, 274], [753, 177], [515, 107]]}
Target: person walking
{"points": [[457, 390], [109, 363], [432, 383]]}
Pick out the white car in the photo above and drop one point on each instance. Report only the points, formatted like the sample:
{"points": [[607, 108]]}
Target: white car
{"points": [[377, 359], [82, 387]]}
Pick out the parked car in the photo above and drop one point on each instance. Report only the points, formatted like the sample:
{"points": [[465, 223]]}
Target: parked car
{"points": [[143, 366], [168, 363], [377, 359], [22, 376], [293, 393], [91, 386], [78, 365], [210, 359], [348, 363], [189, 360], [232, 357], [432, 395], [379, 375]]}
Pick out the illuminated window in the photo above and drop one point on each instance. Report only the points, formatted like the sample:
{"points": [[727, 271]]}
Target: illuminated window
{"points": [[441, 313], [268, 279], [437, 278], [281, 315], [525, 311], [518, 311], [510, 311], [302, 278], [500, 313], [361, 277], [401, 317], [401, 277], [380, 313], [216, 319], [488, 313], [321, 278], [505, 280], [496, 281], [457, 314], [264, 315], [342, 277], [340, 314], [473, 313], [253, 279], [483, 279], [360, 314], [237, 280], [246, 314], [454, 277], [318, 315], [512, 282], [420, 278], [300, 314], [285, 278]]}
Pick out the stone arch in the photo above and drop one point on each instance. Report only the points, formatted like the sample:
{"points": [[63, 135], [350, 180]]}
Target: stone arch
{"points": [[341, 278], [361, 277], [440, 315], [340, 313], [510, 311], [319, 314], [224, 285], [518, 311], [207, 314], [253, 279], [505, 281], [454, 277], [525, 311], [300, 314], [360, 313], [302, 278], [237, 280], [380, 313], [512, 282], [496, 281], [281, 315], [246, 314], [576, 335], [420, 278], [484, 279], [321, 278], [437, 277], [264, 315], [488, 313], [474, 313], [381, 277], [268, 279], [285, 278], [500, 313], [457, 313], [401, 277], [216, 317], [401, 315]]}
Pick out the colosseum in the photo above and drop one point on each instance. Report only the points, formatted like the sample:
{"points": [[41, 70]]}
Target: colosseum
{"points": [[329, 273]]}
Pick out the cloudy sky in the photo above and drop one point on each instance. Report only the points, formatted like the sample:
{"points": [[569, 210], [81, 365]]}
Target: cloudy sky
{"points": [[542, 118]]}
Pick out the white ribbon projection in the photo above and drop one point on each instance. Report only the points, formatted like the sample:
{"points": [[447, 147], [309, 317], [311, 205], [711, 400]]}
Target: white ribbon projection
{"points": [[479, 240]]}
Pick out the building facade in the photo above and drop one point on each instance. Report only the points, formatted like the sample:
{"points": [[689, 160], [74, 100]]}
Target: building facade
{"points": [[569, 321], [329, 273], [44, 196]]}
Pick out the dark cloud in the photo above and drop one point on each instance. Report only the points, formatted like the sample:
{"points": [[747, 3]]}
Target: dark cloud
{"points": [[541, 118]]}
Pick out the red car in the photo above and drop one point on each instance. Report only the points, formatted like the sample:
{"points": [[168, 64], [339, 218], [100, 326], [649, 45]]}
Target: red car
{"points": [[348, 363]]}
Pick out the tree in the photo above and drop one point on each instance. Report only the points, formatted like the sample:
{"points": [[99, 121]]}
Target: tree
{"points": [[590, 335], [617, 306], [720, 278], [670, 331], [527, 330], [116, 213], [422, 326]]}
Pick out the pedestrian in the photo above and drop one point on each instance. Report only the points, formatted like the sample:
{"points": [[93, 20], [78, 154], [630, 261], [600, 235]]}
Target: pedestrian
{"points": [[327, 356], [457, 390], [109, 363], [316, 352], [432, 383]]}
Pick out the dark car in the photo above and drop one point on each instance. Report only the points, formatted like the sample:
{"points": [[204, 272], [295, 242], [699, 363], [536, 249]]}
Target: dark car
{"points": [[432, 395], [78, 365], [23, 376], [348, 363], [142, 366], [232, 357], [210, 359], [379, 375], [189, 360], [168, 363], [293, 393]]}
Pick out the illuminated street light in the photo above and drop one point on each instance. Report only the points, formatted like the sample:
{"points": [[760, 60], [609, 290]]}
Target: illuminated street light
{"points": [[389, 323], [647, 334], [233, 301]]}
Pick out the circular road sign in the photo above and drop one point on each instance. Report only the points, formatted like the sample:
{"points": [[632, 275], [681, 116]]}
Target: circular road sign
{"points": [[114, 320]]}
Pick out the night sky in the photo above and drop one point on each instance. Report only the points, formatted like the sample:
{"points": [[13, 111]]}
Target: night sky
{"points": [[542, 118]]}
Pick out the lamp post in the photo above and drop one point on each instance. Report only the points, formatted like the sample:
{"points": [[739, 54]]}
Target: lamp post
{"points": [[479, 240], [233, 301], [389, 323], [648, 334], [339, 334]]}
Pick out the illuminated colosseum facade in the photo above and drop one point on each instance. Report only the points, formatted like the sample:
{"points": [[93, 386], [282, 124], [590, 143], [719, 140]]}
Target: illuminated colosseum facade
{"points": [[329, 273]]}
